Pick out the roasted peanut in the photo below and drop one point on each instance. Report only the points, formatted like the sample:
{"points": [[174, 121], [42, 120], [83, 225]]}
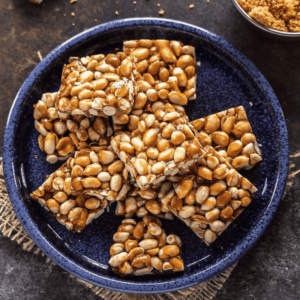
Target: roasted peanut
{"points": [[168, 251], [118, 259]]}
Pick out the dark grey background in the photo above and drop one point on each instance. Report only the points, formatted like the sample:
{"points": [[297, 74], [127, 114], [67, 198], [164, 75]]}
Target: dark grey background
{"points": [[271, 270]]}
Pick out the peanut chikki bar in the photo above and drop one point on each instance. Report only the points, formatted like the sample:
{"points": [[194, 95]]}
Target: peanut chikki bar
{"points": [[231, 134], [61, 134], [144, 248], [164, 70], [157, 144], [160, 74], [97, 85], [81, 188], [211, 197]]}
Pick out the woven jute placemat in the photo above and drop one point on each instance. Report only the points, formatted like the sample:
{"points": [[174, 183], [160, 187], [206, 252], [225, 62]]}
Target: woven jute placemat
{"points": [[11, 227]]}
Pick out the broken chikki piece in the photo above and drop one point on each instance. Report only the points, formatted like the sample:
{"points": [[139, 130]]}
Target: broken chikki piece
{"points": [[61, 134], [164, 70], [83, 186], [144, 248], [231, 134], [157, 144], [97, 85]]}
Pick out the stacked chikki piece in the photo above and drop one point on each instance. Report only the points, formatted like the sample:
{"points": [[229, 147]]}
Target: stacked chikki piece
{"points": [[154, 162]]}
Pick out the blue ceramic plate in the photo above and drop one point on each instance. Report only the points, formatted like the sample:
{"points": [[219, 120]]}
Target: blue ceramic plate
{"points": [[226, 79]]}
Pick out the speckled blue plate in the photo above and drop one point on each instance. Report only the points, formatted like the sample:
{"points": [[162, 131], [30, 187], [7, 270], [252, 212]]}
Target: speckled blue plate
{"points": [[226, 79]]}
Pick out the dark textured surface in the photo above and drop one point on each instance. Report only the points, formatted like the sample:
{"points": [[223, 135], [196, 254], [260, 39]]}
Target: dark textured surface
{"points": [[270, 270]]}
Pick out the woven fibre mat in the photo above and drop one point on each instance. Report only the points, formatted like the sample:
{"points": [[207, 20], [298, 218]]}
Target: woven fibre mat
{"points": [[11, 227]]}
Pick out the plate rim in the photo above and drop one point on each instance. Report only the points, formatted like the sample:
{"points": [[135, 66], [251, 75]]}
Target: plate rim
{"points": [[172, 284]]}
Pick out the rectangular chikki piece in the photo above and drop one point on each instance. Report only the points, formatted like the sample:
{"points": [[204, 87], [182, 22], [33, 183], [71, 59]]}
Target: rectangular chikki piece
{"points": [[208, 206], [164, 70], [144, 248], [231, 134], [141, 203], [157, 144], [82, 187], [98, 85], [61, 134]]}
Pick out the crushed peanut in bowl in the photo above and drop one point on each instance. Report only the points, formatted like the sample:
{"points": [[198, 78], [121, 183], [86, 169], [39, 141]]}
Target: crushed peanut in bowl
{"points": [[281, 15]]}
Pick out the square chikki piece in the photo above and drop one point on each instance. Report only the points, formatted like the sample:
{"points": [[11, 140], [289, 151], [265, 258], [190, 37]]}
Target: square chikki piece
{"points": [[158, 144], [82, 187], [164, 70], [61, 135], [210, 196], [144, 248], [98, 85], [231, 134]]}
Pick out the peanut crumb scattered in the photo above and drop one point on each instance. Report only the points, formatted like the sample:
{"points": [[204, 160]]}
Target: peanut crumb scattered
{"points": [[250, 103], [72, 14], [192, 6], [36, 156], [117, 49], [73, 1], [198, 63], [40, 55], [96, 20], [36, 1], [282, 15], [73, 24], [134, 2], [158, 4], [65, 15], [116, 12], [161, 12], [208, 1]]}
